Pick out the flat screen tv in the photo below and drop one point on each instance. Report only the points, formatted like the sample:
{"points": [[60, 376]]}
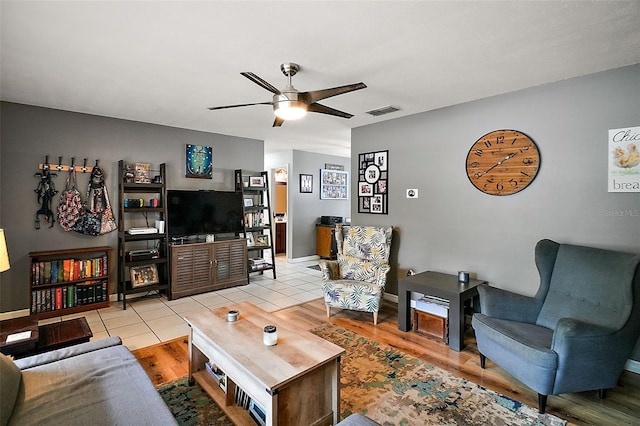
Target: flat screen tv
{"points": [[193, 213]]}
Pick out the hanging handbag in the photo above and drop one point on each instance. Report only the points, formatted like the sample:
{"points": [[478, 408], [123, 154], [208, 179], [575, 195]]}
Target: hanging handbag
{"points": [[96, 208], [70, 207], [107, 220]]}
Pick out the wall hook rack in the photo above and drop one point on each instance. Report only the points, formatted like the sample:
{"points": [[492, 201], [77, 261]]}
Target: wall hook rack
{"points": [[66, 167]]}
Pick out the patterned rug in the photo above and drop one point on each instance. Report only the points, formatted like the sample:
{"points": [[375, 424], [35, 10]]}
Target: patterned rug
{"points": [[394, 388], [190, 405], [387, 385]]}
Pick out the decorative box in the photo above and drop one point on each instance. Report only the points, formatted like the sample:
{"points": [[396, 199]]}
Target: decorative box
{"points": [[432, 326]]}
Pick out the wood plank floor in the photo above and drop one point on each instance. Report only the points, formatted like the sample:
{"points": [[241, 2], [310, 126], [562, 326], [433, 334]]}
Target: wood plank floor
{"points": [[164, 362]]}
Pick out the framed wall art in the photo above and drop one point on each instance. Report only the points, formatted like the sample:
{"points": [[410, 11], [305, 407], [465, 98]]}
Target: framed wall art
{"points": [[334, 185], [199, 162], [373, 182], [306, 183]]}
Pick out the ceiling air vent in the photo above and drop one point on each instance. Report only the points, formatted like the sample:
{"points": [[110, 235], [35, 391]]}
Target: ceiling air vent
{"points": [[383, 110]]}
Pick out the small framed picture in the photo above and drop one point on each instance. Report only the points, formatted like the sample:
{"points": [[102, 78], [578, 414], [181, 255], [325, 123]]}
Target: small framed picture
{"points": [[306, 183], [248, 202], [256, 181], [250, 240], [365, 189], [262, 239], [143, 275]]}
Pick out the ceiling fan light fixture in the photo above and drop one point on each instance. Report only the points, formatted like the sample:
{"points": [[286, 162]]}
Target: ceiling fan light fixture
{"points": [[288, 107]]}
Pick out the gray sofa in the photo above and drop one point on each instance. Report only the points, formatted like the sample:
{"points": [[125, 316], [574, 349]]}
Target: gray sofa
{"points": [[95, 383]]}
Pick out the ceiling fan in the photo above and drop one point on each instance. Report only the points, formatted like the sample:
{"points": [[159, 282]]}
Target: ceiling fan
{"points": [[290, 104]]}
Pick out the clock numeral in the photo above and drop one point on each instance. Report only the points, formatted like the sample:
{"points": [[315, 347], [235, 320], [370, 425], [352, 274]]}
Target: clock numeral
{"points": [[528, 161], [474, 164], [523, 173], [513, 182], [487, 144], [499, 186], [499, 139], [478, 152], [525, 148], [514, 140]]}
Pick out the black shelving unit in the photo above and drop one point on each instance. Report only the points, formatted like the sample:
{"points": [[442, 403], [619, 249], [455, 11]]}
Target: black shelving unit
{"points": [[129, 190], [257, 220]]}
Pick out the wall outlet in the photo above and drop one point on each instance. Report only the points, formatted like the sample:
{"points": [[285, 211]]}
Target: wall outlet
{"points": [[412, 193]]}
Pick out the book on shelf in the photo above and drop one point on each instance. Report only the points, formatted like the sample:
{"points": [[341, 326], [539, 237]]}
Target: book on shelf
{"points": [[216, 374], [58, 271], [68, 296]]}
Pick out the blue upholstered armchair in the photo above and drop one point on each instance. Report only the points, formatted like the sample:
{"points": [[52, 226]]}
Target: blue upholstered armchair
{"points": [[356, 280], [576, 333]]}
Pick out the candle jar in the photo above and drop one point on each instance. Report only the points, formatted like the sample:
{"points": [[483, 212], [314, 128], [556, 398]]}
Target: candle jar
{"points": [[463, 277], [232, 316], [270, 335]]}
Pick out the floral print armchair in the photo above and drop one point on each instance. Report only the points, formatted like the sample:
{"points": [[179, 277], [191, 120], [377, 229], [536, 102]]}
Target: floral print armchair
{"points": [[357, 278]]}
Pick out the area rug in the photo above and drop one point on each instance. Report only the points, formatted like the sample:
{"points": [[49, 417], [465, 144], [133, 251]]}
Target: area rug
{"points": [[316, 267], [190, 405], [394, 388], [391, 387]]}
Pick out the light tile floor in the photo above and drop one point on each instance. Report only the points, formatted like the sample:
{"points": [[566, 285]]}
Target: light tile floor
{"points": [[154, 319]]}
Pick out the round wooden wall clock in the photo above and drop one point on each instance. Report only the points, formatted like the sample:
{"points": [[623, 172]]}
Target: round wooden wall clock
{"points": [[503, 162]]}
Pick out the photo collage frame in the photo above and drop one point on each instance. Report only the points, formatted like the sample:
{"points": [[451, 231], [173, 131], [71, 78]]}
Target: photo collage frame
{"points": [[373, 182]]}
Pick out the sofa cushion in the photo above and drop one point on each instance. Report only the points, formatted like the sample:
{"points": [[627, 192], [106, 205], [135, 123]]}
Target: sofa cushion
{"points": [[10, 377], [330, 269], [99, 387], [357, 419]]}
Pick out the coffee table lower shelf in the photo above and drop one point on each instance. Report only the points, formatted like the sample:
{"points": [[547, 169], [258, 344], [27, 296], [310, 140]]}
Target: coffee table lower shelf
{"points": [[236, 414]]}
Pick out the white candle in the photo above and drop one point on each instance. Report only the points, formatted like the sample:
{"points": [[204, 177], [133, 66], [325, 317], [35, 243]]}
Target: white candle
{"points": [[270, 335]]}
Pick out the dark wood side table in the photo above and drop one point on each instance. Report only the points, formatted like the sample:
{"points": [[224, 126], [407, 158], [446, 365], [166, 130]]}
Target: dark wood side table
{"points": [[62, 334], [21, 347], [441, 285]]}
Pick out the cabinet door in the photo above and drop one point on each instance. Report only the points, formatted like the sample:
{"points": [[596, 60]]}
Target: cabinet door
{"points": [[281, 237], [323, 241], [230, 263], [191, 270]]}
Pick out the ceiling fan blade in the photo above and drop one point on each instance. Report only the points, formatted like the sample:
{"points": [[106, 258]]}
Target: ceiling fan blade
{"points": [[260, 82], [318, 95], [240, 105], [278, 122], [323, 109]]}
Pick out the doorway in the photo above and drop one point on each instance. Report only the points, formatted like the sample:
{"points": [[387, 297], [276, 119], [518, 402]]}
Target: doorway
{"points": [[280, 209]]}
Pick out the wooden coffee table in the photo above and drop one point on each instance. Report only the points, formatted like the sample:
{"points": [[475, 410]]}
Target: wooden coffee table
{"points": [[296, 382]]}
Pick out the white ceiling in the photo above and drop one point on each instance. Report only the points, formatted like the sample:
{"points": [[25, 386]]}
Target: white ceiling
{"points": [[166, 62]]}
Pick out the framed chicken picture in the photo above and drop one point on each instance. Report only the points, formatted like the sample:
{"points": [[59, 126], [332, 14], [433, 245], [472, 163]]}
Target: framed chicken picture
{"points": [[624, 159]]}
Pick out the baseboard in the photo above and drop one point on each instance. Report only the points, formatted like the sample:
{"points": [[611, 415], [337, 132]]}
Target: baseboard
{"points": [[631, 365], [390, 297], [303, 259], [14, 314]]}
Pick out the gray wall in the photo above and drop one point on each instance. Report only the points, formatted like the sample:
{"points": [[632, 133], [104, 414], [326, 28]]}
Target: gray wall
{"points": [[304, 210], [29, 133], [452, 226]]}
